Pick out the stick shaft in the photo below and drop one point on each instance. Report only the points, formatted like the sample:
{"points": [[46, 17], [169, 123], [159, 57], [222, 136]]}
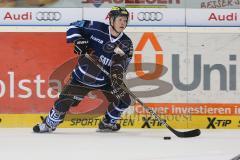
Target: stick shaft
{"points": [[191, 133]]}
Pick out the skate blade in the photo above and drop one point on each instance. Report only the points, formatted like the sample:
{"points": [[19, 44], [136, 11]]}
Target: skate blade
{"points": [[105, 131]]}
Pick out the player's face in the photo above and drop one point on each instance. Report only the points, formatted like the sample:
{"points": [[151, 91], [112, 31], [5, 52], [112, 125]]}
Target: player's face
{"points": [[120, 23]]}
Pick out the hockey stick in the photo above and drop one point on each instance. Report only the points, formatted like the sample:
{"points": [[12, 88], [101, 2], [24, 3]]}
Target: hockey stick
{"points": [[185, 134]]}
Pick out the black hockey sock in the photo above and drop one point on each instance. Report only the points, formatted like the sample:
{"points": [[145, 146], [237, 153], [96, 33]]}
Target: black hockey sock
{"points": [[54, 118]]}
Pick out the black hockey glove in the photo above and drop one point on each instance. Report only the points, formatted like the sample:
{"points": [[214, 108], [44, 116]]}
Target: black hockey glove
{"points": [[80, 45], [117, 81], [118, 92], [117, 75]]}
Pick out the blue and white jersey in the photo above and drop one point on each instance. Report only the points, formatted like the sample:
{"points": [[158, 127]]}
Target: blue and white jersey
{"points": [[103, 43]]}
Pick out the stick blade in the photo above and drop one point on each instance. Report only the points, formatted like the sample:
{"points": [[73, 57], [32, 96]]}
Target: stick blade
{"points": [[188, 134], [185, 134]]}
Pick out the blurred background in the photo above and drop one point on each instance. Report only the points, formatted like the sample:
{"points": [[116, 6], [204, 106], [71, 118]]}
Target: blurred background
{"points": [[230, 4]]}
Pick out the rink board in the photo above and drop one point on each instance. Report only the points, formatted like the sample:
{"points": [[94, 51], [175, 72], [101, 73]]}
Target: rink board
{"points": [[127, 121], [31, 56]]}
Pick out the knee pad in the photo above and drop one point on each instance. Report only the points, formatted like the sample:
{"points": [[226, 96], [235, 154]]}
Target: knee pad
{"points": [[65, 102], [115, 110], [125, 102], [120, 105]]}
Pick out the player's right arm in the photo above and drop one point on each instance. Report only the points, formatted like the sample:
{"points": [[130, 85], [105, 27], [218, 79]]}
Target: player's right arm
{"points": [[77, 34]]}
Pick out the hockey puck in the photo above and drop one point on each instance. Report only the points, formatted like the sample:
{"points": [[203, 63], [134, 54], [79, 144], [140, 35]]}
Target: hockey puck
{"points": [[166, 138]]}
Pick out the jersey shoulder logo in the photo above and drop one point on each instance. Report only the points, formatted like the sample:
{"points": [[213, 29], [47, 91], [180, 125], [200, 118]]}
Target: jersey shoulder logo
{"points": [[96, 39]]}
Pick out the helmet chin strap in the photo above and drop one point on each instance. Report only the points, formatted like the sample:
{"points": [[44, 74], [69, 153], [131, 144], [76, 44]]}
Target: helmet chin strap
{"points": [[115, 30]]}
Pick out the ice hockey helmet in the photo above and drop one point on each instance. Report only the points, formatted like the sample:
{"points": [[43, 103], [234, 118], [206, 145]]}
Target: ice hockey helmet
{"points": [[118, 11]]}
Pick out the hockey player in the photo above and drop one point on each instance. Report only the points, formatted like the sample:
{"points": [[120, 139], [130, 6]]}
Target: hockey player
{"points": [[110, 47]]}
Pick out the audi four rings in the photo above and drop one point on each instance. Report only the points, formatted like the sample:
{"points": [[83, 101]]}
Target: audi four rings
{"points": [[150, 16], [48, 16]]}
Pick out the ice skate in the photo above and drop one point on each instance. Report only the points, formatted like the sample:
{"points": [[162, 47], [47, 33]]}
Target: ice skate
{"points": [[42, 128], [106, 126]]}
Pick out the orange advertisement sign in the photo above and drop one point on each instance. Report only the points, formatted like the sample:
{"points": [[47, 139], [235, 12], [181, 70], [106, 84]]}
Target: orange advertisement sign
{"points": [[191, 108], [27, 61], [148, 36]]}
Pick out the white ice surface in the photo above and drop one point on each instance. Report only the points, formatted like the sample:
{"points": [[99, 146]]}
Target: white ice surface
{"points": [[128, 144]]}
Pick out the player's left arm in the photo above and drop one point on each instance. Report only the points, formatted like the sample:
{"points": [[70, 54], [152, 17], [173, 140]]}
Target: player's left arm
{"points": [[120, 62]]}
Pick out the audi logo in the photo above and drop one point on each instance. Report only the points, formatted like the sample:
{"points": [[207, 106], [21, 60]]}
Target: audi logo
{"points": [[48, 16], [150, 16]]}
